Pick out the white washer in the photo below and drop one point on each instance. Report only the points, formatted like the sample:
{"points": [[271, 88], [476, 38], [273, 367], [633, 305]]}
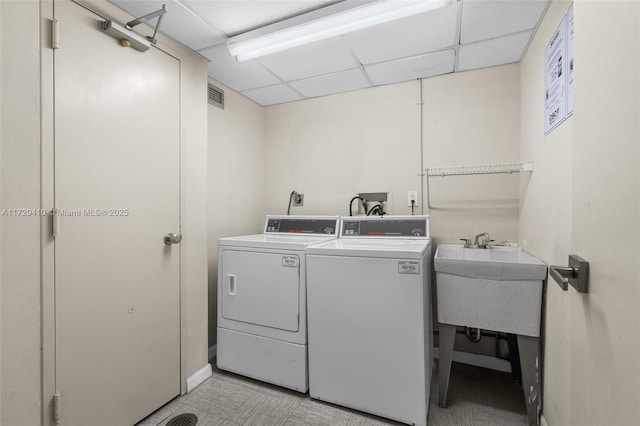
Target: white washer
{"points": [[369, 314], [262, 315]]}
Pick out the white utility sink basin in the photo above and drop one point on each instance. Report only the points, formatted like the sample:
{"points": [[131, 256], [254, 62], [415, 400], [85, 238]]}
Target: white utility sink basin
{"points": [[495, 263], [498, 288]]}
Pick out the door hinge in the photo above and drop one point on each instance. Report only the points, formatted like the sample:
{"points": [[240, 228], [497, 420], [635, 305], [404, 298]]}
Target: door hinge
{"points": [[56, 408], [55, 34], [55, 223]]}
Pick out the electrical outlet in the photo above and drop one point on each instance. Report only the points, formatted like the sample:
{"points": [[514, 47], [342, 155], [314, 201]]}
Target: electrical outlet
{"points": [[412, 196], [298, 199]]}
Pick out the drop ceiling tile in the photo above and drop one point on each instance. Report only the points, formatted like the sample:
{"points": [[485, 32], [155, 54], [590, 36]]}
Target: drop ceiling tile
{"points": [[413, 68], [234, 17], [237, 75], [498, 51], [272, 95], [485, 19], [322, 57], [178, 23], [412, 36], [344, 81]]}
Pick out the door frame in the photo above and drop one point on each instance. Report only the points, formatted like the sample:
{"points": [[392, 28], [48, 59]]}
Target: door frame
{"points": [[48, 354]]}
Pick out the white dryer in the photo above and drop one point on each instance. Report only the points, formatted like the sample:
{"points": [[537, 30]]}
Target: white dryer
{"points": [[369, 314], [262, 315]]}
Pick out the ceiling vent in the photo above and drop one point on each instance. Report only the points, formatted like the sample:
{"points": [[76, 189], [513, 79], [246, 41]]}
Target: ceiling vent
{"points": [[216, 96]]}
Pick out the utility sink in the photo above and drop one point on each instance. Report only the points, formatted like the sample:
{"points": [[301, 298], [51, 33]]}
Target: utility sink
{"points": [[494, 263], [497, 288]]}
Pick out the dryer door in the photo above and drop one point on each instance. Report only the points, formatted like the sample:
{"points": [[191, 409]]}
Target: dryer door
{"points": [[261, 288]]}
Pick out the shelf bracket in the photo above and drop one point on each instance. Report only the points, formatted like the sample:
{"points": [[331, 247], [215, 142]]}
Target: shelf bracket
{"points": [[482, 169]]}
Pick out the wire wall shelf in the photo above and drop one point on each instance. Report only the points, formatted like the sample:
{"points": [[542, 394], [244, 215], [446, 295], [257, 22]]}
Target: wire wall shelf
{"points": [[483, 169]]}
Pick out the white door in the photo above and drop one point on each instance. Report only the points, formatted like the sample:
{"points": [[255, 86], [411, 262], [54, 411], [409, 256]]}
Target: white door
{"points": [[117, 186]]}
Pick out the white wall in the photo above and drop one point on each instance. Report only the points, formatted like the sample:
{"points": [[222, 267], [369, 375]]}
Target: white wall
{"points": [[236, 179], [194, 211], [583, 198], [473, 118], [333, 147], [20, 236]]}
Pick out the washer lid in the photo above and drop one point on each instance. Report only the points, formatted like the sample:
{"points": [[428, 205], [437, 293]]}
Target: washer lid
{"points": [[280, 242], [414, 248]]}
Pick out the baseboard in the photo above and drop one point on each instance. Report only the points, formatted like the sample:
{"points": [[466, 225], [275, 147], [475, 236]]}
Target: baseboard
{"points": [[212, 351], [483, 361], [198, 377], [543, 420]]}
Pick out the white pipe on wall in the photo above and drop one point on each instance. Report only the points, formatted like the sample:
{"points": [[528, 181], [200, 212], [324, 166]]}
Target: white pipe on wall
{"points": [[421, 174]]}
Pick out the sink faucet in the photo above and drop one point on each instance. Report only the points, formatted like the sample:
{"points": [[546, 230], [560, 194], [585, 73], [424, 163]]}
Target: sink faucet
{"points": [[486, 241]]}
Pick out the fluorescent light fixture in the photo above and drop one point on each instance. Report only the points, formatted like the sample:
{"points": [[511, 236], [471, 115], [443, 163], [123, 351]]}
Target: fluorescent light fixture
{"points": [[324, 23]]}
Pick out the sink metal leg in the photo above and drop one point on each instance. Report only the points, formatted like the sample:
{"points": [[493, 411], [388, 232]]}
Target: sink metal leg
{"points": [[514, 357], [529, 362], [447, 337]]}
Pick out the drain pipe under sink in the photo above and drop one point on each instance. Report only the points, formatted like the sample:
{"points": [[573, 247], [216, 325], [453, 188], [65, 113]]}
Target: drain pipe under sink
{"points": [[473, 334]]}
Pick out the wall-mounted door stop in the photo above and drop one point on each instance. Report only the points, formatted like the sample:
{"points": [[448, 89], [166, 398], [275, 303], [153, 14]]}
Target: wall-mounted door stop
{"points": [[576, 274]]}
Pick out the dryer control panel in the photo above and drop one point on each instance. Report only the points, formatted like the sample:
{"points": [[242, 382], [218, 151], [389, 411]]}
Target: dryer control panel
{"points": [[301, 225], [387, 226]]}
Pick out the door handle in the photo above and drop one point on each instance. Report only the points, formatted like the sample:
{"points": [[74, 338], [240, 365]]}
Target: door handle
{"points": [[562, 274], [232, 285], [172, 238], [576, 274]]}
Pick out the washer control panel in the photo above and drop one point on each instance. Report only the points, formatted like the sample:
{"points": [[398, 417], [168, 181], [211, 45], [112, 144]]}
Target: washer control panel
{"points": [[301, 225], [389, 226]]}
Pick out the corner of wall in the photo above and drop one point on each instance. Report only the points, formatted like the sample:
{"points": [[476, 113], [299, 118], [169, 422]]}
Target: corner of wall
{"points": [[195, 214], [545, 218], [236, 188]]}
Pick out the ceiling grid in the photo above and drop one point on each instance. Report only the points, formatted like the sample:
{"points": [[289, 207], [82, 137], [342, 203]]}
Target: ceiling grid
{"points": [[466, 35]]}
